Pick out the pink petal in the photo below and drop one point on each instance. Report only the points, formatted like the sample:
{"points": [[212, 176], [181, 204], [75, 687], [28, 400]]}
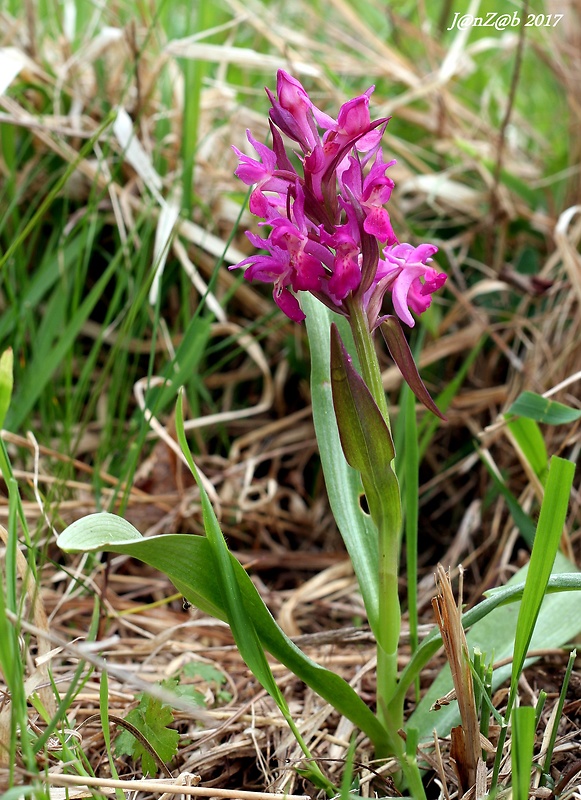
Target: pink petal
{"points": [[289, 304]]}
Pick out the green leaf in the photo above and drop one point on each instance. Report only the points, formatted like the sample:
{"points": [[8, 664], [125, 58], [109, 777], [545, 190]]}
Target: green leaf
{"points": [[240, 621], [239, 615], [365, 437], [342, 481], [6, 382], [151, 718], [95, 531], [533, 406], [189, 563], [504, 631], [530, 440], [492, 626], [545, 547], [523, 740]]}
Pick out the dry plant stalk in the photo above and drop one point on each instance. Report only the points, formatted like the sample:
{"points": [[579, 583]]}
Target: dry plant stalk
{"points": [[170, 787], [465, 737]]}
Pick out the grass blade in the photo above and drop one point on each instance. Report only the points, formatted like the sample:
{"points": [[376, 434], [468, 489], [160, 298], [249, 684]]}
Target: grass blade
{"points": [[56, 345], [556, 716], [523, 740], [546, 544]]}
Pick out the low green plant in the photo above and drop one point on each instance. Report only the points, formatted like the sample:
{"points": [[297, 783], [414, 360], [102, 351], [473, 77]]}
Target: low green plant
{"points": [[152, 719], [146, 733]]}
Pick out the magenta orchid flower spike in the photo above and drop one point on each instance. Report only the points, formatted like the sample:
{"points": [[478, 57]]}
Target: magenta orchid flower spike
{"points": [[330, 233]]}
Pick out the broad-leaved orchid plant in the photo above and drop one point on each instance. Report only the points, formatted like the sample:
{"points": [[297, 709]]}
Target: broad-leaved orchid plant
{"points": [[330, 235], [321, 191]]}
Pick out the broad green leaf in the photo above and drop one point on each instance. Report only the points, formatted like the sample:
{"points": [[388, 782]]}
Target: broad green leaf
{"points": [[189, 563], [499, 596], [492, 626], [241, 621], [94, 531], [342, 481], [534, 406]]}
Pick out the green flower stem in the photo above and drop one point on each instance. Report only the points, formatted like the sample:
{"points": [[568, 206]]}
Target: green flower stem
{"points": [[387, 518], [385, 511], [386, 514], [367, 354]]}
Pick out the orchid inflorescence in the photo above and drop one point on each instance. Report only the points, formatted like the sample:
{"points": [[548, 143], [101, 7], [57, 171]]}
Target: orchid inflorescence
{"points": [[328, 219]]}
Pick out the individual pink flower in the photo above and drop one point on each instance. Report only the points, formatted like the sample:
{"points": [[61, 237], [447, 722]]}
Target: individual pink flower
{"points": [[372, 192], [307, 270], [275, 268], [354, 125], [288, 304], [377, 188], [414, 281], [294, 112], [346, 272], [261, 172]]}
